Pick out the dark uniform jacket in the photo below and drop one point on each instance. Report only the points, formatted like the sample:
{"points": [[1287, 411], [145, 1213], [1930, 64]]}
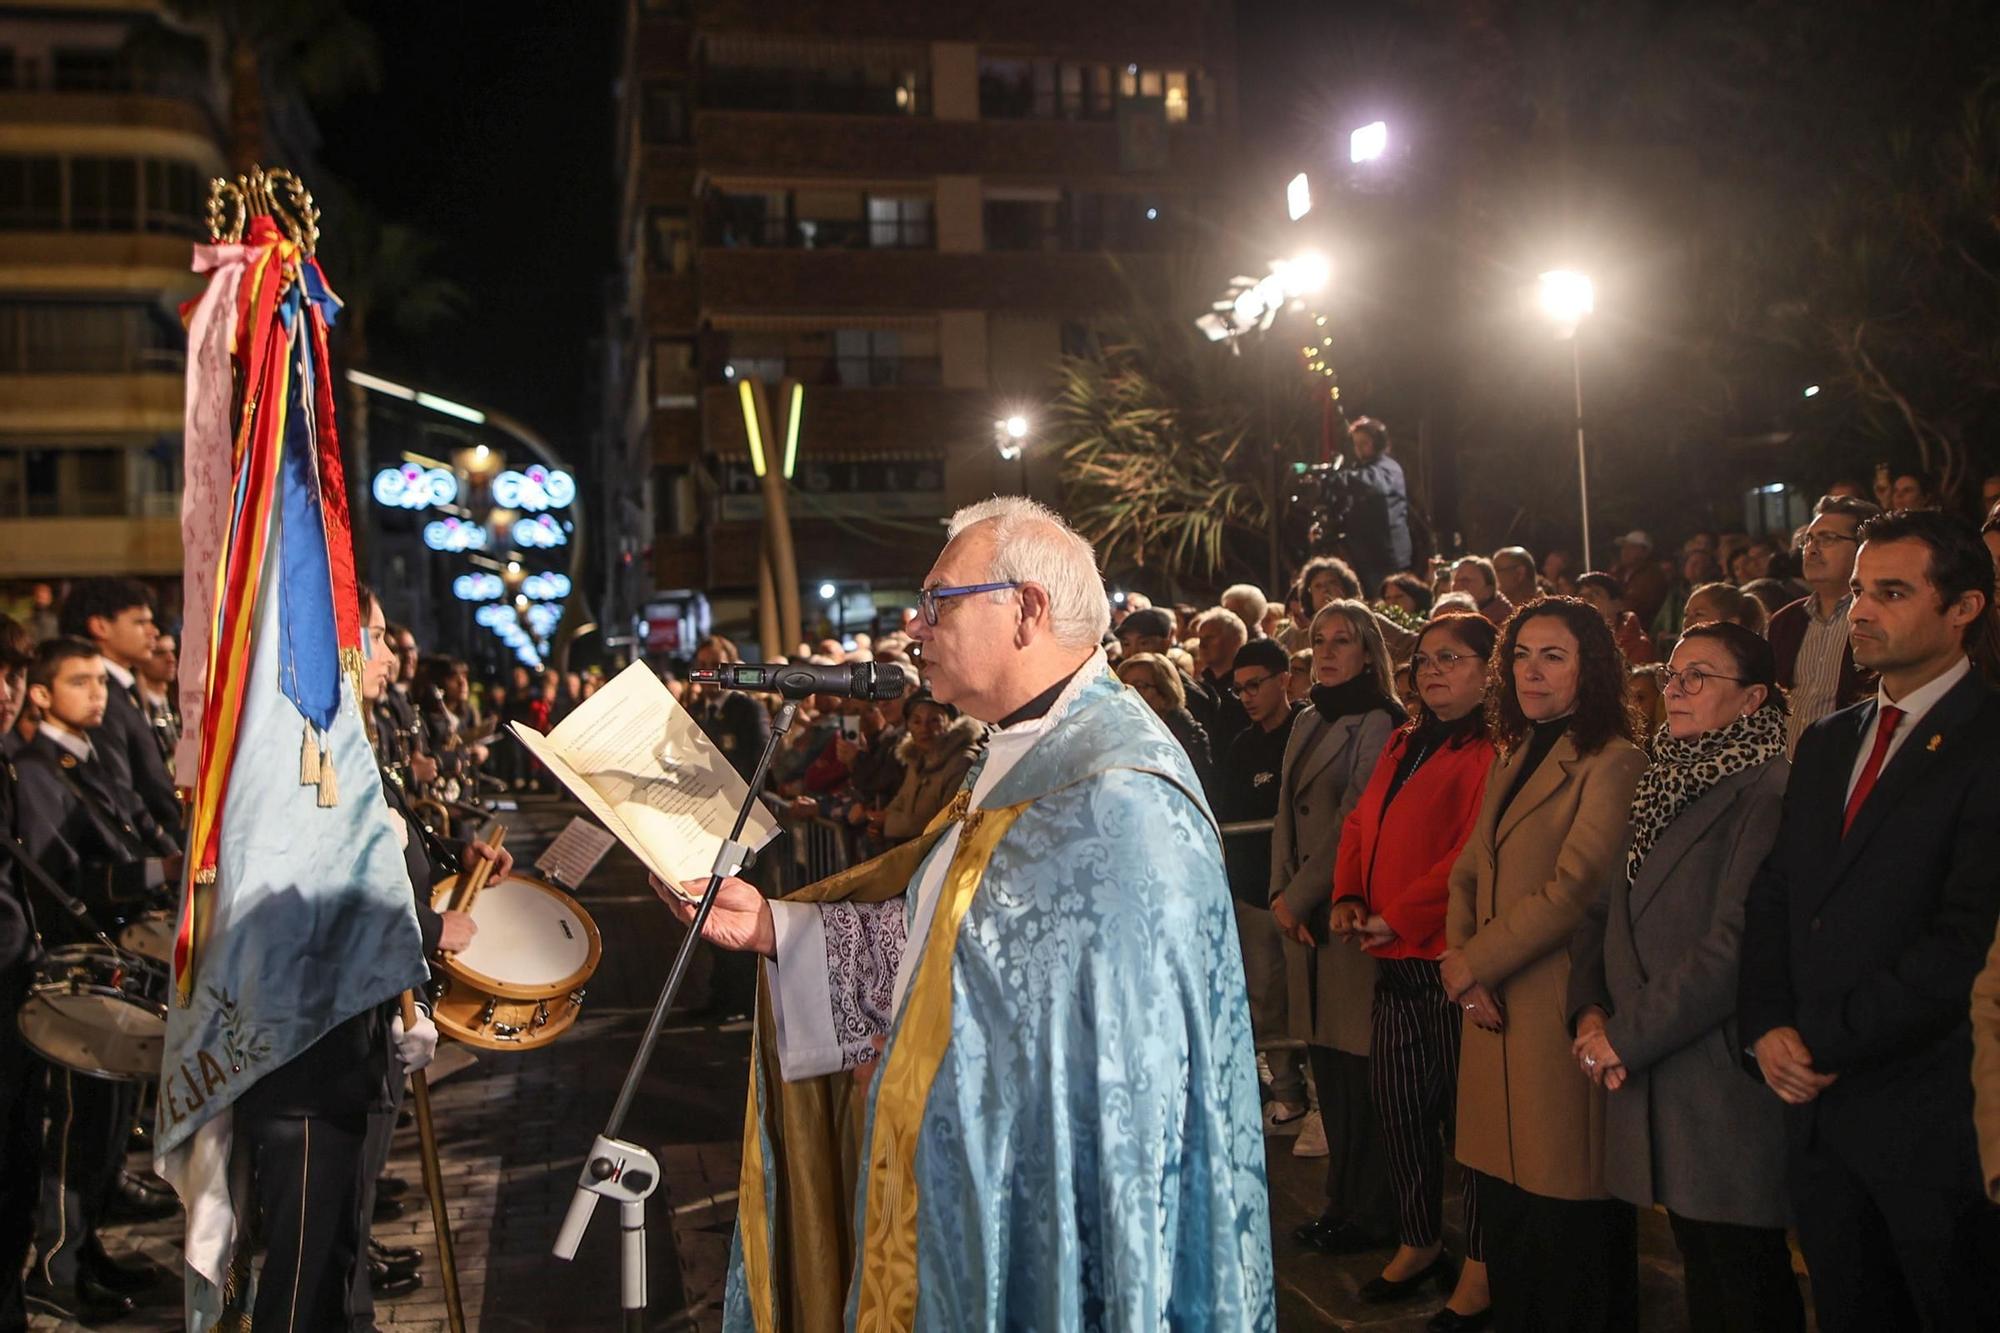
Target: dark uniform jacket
{"points": [[89, 834], [129, 745]]}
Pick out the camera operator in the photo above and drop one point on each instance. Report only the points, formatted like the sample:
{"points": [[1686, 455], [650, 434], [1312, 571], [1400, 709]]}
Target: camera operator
{"points": [[1378, 519]]}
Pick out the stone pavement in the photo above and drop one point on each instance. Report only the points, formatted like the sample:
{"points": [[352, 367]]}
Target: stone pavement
{"points": [[513, 1131]]}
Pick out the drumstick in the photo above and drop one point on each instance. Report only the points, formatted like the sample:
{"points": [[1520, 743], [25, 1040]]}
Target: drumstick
{"points": [[434, 1182], [473, 883]]}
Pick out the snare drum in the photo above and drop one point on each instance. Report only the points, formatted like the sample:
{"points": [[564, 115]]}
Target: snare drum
{"points": [[99, 1012], [150, 936], [519, 984]]}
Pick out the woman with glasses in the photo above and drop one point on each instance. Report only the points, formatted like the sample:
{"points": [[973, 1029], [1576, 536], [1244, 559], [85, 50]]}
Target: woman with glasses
{"points": [[1652, 987], [1328, 761], [1158, 682], [1560, 1252], [1390, 886]]}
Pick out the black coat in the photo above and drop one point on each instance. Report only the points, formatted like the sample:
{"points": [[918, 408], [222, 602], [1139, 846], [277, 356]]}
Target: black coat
{"points": [[129, 745], [1869, 944], [81, 830]]}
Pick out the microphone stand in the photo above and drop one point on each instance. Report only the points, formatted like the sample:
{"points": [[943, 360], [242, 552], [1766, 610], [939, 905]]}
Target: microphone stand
{"points": [[616, 1168]]}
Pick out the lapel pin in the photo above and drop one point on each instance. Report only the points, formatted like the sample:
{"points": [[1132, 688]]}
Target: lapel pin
{"points": [[1936, 741]]}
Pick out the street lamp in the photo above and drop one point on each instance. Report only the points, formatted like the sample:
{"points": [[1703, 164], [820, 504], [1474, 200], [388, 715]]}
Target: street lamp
{"points": [[1568, 297], [1298, 197], [1368, 143], [1010, 435]]}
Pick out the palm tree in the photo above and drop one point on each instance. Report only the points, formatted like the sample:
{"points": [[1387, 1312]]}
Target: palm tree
{"points": [[1175, 452], [277, 52]]}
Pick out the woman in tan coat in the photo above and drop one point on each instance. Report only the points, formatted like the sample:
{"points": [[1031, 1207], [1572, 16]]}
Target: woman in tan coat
{"points": [[1561, 1254]]}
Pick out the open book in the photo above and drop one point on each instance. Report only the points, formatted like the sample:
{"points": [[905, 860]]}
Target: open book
{"points": [[636, 759]]}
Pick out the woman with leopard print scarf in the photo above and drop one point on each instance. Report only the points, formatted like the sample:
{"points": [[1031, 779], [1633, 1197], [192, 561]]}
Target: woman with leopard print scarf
{"points": [[1652, 988]]}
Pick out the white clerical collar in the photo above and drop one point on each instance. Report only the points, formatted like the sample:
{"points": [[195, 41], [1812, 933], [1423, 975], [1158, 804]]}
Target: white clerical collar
{"points": [[1093, 667], [77, 747], [1922, 699], [118, 673]]}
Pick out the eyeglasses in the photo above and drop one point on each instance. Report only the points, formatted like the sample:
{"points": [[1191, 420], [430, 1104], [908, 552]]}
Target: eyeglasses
{"points": [[1692, 680], [1443, 661], [1243, 687], [1808, 540], [928, 599]]}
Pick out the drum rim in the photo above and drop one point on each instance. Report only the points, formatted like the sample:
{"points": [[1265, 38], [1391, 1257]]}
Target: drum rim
{"points": [[96, 1072], [505, 990]]}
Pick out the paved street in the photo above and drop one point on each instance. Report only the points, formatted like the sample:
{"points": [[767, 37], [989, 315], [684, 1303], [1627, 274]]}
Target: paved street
{"points": [[513, 1131]]}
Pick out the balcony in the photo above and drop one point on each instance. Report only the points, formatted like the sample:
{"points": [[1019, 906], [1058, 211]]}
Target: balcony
{"points": [[768, 143], [670, 303], [79, 547], [141, 405], [848, 422], [172, 126], [1135, 29], [51, 261], [675, 434], [740, 281]]}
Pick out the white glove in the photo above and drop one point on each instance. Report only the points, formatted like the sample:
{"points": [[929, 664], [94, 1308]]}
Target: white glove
{"points": [[414, 1046]]}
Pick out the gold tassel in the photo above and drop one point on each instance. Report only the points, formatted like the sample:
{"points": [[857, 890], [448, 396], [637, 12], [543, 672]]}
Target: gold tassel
{"points": [[309, 758], [329, 785]]}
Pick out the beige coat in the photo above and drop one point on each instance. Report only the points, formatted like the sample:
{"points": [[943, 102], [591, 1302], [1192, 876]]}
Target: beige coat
{"points": [[930, 780], [1986, 1069], [1526, 1113], [1327, 765]]}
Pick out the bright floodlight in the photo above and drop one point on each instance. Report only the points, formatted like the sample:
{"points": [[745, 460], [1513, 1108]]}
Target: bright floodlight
{"points": [[1567, 296], [1369, 142], [1812, 390], [1016, 426], [827, 591], [1298, 197], [1303, 274]]}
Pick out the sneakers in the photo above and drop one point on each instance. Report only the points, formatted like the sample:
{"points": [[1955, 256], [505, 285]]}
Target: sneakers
{"points": [[1312, 1138], [1284, 1117]]}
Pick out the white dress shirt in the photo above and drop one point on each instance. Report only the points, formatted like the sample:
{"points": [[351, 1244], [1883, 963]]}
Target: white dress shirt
{"points": [[1915, 705]]}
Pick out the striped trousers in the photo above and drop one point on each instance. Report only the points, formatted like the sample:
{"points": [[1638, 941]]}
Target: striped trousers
{"points": [[1413, 1062]]}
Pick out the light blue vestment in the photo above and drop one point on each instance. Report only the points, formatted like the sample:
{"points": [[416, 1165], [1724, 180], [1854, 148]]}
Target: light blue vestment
{"points": [[1091, 1153]]}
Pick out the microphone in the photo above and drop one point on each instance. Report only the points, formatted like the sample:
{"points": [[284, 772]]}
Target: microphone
{"points": [[861, 680]]}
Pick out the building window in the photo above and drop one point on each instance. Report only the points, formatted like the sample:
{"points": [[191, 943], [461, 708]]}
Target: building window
{"points": [[103, 194], [1024, 224], [836, 358], [100, 194], [669, 241], [815, 219], [663, 113], [675, 378], [899, 222], [62, 483], [31, 193], [1023, 89], [89, 70], [888, 83], [176, 196], [87, 338]]}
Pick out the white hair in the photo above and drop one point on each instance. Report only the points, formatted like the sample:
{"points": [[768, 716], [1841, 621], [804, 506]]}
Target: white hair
{"points": [[1223, 616], [1247, 600], [1032, 544]]}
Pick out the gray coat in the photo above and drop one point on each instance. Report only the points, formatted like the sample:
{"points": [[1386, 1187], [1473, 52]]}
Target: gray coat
{"points": [[1687, 1130], [1326, 767]]}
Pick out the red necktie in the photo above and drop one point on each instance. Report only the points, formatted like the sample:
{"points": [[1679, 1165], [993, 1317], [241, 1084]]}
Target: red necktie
{"points": [[1885, 732]]}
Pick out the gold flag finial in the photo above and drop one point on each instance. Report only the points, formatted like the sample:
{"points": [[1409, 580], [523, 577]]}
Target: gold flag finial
{"points": [[276, 194]]}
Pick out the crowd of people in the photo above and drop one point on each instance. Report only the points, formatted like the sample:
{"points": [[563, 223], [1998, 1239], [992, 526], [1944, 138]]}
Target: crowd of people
{"points": [[1667, 885]]}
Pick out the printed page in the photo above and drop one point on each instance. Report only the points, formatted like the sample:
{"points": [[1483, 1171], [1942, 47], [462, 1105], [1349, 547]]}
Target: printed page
{"points": [[639, 762]]}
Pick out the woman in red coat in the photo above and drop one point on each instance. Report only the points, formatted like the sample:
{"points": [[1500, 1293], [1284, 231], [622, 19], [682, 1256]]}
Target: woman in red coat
{"points": [[1390, 887]]}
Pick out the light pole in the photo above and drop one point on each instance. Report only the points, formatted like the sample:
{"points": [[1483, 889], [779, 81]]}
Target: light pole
{"points": [[1568, 297], [1010, 435]]}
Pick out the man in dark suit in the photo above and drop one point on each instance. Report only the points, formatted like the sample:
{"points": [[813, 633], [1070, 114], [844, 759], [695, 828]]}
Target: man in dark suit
{"points": [[22, 1075], [1862, 936], [117, 616]]}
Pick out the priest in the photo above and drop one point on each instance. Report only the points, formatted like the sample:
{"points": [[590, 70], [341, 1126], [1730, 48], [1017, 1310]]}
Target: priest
{"points": [[1003, 1075]]}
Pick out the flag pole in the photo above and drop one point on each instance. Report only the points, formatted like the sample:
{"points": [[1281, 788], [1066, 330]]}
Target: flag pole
{"points": [[434, 1182]]}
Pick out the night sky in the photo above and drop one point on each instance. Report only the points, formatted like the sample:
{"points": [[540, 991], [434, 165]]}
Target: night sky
{"points": [[492, 132]]}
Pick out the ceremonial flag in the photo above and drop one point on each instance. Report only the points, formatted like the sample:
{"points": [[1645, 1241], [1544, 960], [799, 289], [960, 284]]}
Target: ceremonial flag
{"points": [[296, 912]]}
